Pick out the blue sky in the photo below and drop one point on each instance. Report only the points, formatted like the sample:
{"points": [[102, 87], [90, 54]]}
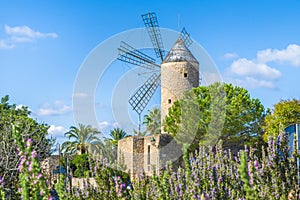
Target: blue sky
{"points": [[255, 44]]}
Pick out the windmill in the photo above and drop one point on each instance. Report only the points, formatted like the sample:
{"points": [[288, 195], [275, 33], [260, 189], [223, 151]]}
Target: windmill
{"points": [[126, 53]]}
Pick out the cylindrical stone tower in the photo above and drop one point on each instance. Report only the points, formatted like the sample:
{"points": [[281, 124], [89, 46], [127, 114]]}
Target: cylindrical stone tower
{"points": [[179, 73]]}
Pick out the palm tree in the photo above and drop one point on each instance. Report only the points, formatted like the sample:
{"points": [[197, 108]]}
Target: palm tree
{"points": [[115, 135], [152, 121], [83, 137], [139, 133]]}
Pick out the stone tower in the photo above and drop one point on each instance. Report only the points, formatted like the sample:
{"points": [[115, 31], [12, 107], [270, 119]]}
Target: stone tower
{"points": [[179, 73]]}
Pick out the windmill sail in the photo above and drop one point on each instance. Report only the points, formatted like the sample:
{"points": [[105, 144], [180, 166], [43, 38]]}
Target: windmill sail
{"points": [[151, 23], [185, 37], [133, 56], [143, 95], [127, 53]]}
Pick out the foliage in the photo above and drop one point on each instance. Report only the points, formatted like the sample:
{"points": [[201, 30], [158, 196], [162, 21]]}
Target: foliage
{"points": [[2, 193], [115, 135], [11, 115], [31, 181], [209, 173], [152, 121], [139, 133], [207, 114], [82, 165], [60, 188], [245, 171], [284, 113], [82, 139]]}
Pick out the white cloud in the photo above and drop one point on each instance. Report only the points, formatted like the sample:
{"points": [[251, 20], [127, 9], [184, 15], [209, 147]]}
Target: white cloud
{"points": [[245, 67], [105, 126], [58, 108], [57, 131], [21, 39], [21, 34], [229, 56], [25, 31], [250, 82], [5, 45], [290, 55], [257, 72]]}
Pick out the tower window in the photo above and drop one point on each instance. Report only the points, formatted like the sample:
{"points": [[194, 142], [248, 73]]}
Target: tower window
{"points": [[185, 74], [169, 101]]}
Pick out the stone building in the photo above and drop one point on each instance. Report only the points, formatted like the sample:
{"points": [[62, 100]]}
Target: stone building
{"points": [[147, 154], [179, 73]]}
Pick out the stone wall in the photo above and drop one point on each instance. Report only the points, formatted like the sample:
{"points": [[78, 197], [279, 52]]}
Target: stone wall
{"points": [[82, 183], [176, 78], [148, 153], [125, 153], [151, 157], [138, 155]]}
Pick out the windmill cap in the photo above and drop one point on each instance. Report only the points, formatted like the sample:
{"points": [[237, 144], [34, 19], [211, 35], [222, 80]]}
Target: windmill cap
{"points": [[179, 53]]}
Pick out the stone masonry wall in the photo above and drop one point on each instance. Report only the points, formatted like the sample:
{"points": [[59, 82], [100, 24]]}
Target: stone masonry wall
{"points": [[138, 155], [135, 153], [153, 155], [176, 78], [125, 149]]}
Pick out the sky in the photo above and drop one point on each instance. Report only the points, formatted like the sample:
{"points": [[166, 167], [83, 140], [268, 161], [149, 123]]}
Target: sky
{"points": [[43, 45]]}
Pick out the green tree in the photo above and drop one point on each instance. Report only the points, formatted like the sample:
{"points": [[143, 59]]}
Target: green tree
{"points": [[139, 133], [81, 163], [152, 121], [284, 113], [207, 114], [115, 135], [19, 117], [82, 138]]}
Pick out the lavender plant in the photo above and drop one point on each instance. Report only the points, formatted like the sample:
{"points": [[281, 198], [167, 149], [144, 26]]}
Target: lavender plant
{"points": [[31, 180], [209, 173], [2, 193]]}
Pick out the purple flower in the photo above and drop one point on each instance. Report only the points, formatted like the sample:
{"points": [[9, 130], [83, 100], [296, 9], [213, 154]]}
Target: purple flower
{"points": [[21, 164], [249, 173], [30, 167], [41, 192], [256, 164], [33, 154], [220, 179], [122, 185], [39, 176], [1, 182], [19, 152], [29, 142]]}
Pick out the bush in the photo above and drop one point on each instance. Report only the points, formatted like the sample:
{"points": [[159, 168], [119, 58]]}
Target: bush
{"points": [[209, 173]]}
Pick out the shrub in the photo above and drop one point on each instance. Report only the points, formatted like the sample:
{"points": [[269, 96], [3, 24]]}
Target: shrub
{"points": [[209, 173]]}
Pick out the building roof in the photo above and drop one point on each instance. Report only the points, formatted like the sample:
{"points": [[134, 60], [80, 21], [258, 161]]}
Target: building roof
{"points": [[179, 53]]}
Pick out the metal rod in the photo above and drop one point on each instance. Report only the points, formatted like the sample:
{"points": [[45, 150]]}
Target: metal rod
{"points": [[140, 123]]}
